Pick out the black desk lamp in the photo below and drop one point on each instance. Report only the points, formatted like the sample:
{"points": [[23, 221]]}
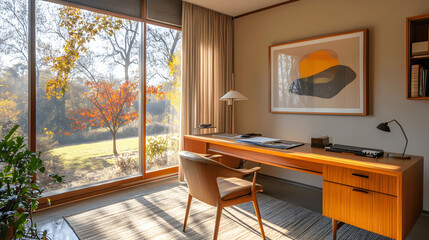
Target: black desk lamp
{"points": [[385, 127]]}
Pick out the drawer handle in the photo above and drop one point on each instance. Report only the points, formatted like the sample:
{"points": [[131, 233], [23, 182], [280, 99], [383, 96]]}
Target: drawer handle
{"points": [[359, 190], [360, 175]]}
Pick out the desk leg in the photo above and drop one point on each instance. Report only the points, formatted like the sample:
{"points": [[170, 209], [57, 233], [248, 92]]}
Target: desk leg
{"points": [[334, 229], [335, 226]]}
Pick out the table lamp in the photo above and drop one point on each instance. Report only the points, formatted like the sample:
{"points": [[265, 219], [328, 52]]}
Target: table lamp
{"points": [[232, 96], [385, 127]]}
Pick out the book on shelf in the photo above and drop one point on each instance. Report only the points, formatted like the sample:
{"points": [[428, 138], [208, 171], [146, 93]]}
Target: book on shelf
{"points": [[420, 56], [414, 85], [425, 77], [419, 82], [419, 48], [423, 82]]}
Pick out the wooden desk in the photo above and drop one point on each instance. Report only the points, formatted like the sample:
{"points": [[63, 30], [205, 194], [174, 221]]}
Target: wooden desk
{"points": [[381, 195]]}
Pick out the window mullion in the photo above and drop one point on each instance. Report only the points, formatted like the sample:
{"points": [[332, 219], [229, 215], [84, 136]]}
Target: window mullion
{"points": [[32, 75]]}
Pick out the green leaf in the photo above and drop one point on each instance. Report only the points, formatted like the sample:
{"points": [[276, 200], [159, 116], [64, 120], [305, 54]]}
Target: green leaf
{"points": [[21, 220], [8, 175], [56, 178], [34, 204], [19, 234], [34, 186], [11, 132]]}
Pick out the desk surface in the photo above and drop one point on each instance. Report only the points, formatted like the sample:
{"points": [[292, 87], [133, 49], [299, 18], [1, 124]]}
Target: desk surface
{"points": [[307, 153]]}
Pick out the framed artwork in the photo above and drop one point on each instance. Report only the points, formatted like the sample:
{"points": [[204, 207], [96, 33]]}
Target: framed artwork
{"points": [[324, 75]]}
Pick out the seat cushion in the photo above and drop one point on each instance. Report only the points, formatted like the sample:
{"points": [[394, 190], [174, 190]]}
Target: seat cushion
{"points": [[230, 188]]}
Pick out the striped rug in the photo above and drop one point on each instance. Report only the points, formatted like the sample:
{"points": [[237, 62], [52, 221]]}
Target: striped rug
{"points": [[159, 215]]}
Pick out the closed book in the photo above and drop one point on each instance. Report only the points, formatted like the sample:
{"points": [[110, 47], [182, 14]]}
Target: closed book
{"points": [[426, 83], [414, 86], [420, 81]]}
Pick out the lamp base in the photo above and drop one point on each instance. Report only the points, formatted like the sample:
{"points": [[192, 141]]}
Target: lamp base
{"points": [[398, 156]]}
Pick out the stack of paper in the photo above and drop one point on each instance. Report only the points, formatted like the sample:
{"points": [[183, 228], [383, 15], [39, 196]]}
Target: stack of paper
{"points": [[258, 140], [227, 135], [270, 142]]}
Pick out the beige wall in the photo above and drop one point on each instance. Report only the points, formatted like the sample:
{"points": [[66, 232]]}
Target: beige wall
{"points": [[385, 20]]}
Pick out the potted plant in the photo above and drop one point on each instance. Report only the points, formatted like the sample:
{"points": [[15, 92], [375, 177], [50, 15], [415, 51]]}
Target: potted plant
{"points": [[19, 189]]}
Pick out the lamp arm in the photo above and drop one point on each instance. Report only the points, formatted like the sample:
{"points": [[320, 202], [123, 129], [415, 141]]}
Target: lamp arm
{"points": [[405, 135]]}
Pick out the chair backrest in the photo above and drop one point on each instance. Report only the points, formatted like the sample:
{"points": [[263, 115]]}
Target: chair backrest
{"points": [[201, 175]]}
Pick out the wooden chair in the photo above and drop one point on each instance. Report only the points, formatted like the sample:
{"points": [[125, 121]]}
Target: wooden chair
{"points": [[218, 185]]}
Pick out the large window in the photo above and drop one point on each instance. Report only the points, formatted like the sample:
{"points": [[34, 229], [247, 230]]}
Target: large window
{"points": [[87, 94], [163, 69], [90, 92]]}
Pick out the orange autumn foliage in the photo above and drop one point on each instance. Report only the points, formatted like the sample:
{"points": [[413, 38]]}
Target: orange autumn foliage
{"points": [[112, 106], [158, 93]]}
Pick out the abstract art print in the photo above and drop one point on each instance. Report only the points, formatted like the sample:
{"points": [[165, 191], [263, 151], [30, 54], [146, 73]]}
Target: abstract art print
{"points": [[324, 75]]}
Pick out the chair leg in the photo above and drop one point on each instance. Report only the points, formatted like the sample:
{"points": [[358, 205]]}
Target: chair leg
{"points": [[187, 211], [218, 215], [258, 215]]}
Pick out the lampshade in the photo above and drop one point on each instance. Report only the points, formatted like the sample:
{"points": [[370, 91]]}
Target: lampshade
{"points": [[233, 95], [384, 127]]}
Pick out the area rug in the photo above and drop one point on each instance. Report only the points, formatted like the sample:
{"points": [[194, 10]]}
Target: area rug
{"points": [[159, 215]]}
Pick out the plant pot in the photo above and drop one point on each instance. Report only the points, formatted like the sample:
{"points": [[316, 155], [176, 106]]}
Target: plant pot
{"points": [[9, 234]]}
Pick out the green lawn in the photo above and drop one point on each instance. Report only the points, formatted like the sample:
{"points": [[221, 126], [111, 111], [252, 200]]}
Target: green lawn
{"points": [[96, 155]]}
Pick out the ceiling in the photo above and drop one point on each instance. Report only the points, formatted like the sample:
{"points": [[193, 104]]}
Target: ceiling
{"points": [[235, 7]]}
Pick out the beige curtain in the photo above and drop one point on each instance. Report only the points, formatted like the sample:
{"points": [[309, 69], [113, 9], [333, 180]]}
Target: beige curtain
{"points": [[206, 69]]}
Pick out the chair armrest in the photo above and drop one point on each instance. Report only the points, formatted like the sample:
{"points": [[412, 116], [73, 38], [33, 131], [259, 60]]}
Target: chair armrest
{"points": [[240, 173], [211, 156], [249, 171], [254, 171], [215, 156], [225, 171], [245, 172]]}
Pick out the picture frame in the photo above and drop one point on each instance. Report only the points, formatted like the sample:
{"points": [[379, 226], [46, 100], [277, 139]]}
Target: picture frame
{"points": [[322, 75]]}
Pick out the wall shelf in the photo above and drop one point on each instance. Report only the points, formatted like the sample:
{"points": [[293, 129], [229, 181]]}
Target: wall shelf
{"points": [[417, 31], [418, 98], [419, 57]]}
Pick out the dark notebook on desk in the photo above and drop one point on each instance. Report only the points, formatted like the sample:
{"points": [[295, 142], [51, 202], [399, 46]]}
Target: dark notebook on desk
{"points": [[360, 151]]}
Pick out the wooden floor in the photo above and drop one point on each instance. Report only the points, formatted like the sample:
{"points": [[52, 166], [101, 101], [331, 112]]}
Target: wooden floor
{"points": [[297, 194]]}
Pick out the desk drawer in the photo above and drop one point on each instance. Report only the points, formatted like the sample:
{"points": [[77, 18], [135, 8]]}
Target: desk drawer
{"points": [[376, 212], [361, 179]]}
